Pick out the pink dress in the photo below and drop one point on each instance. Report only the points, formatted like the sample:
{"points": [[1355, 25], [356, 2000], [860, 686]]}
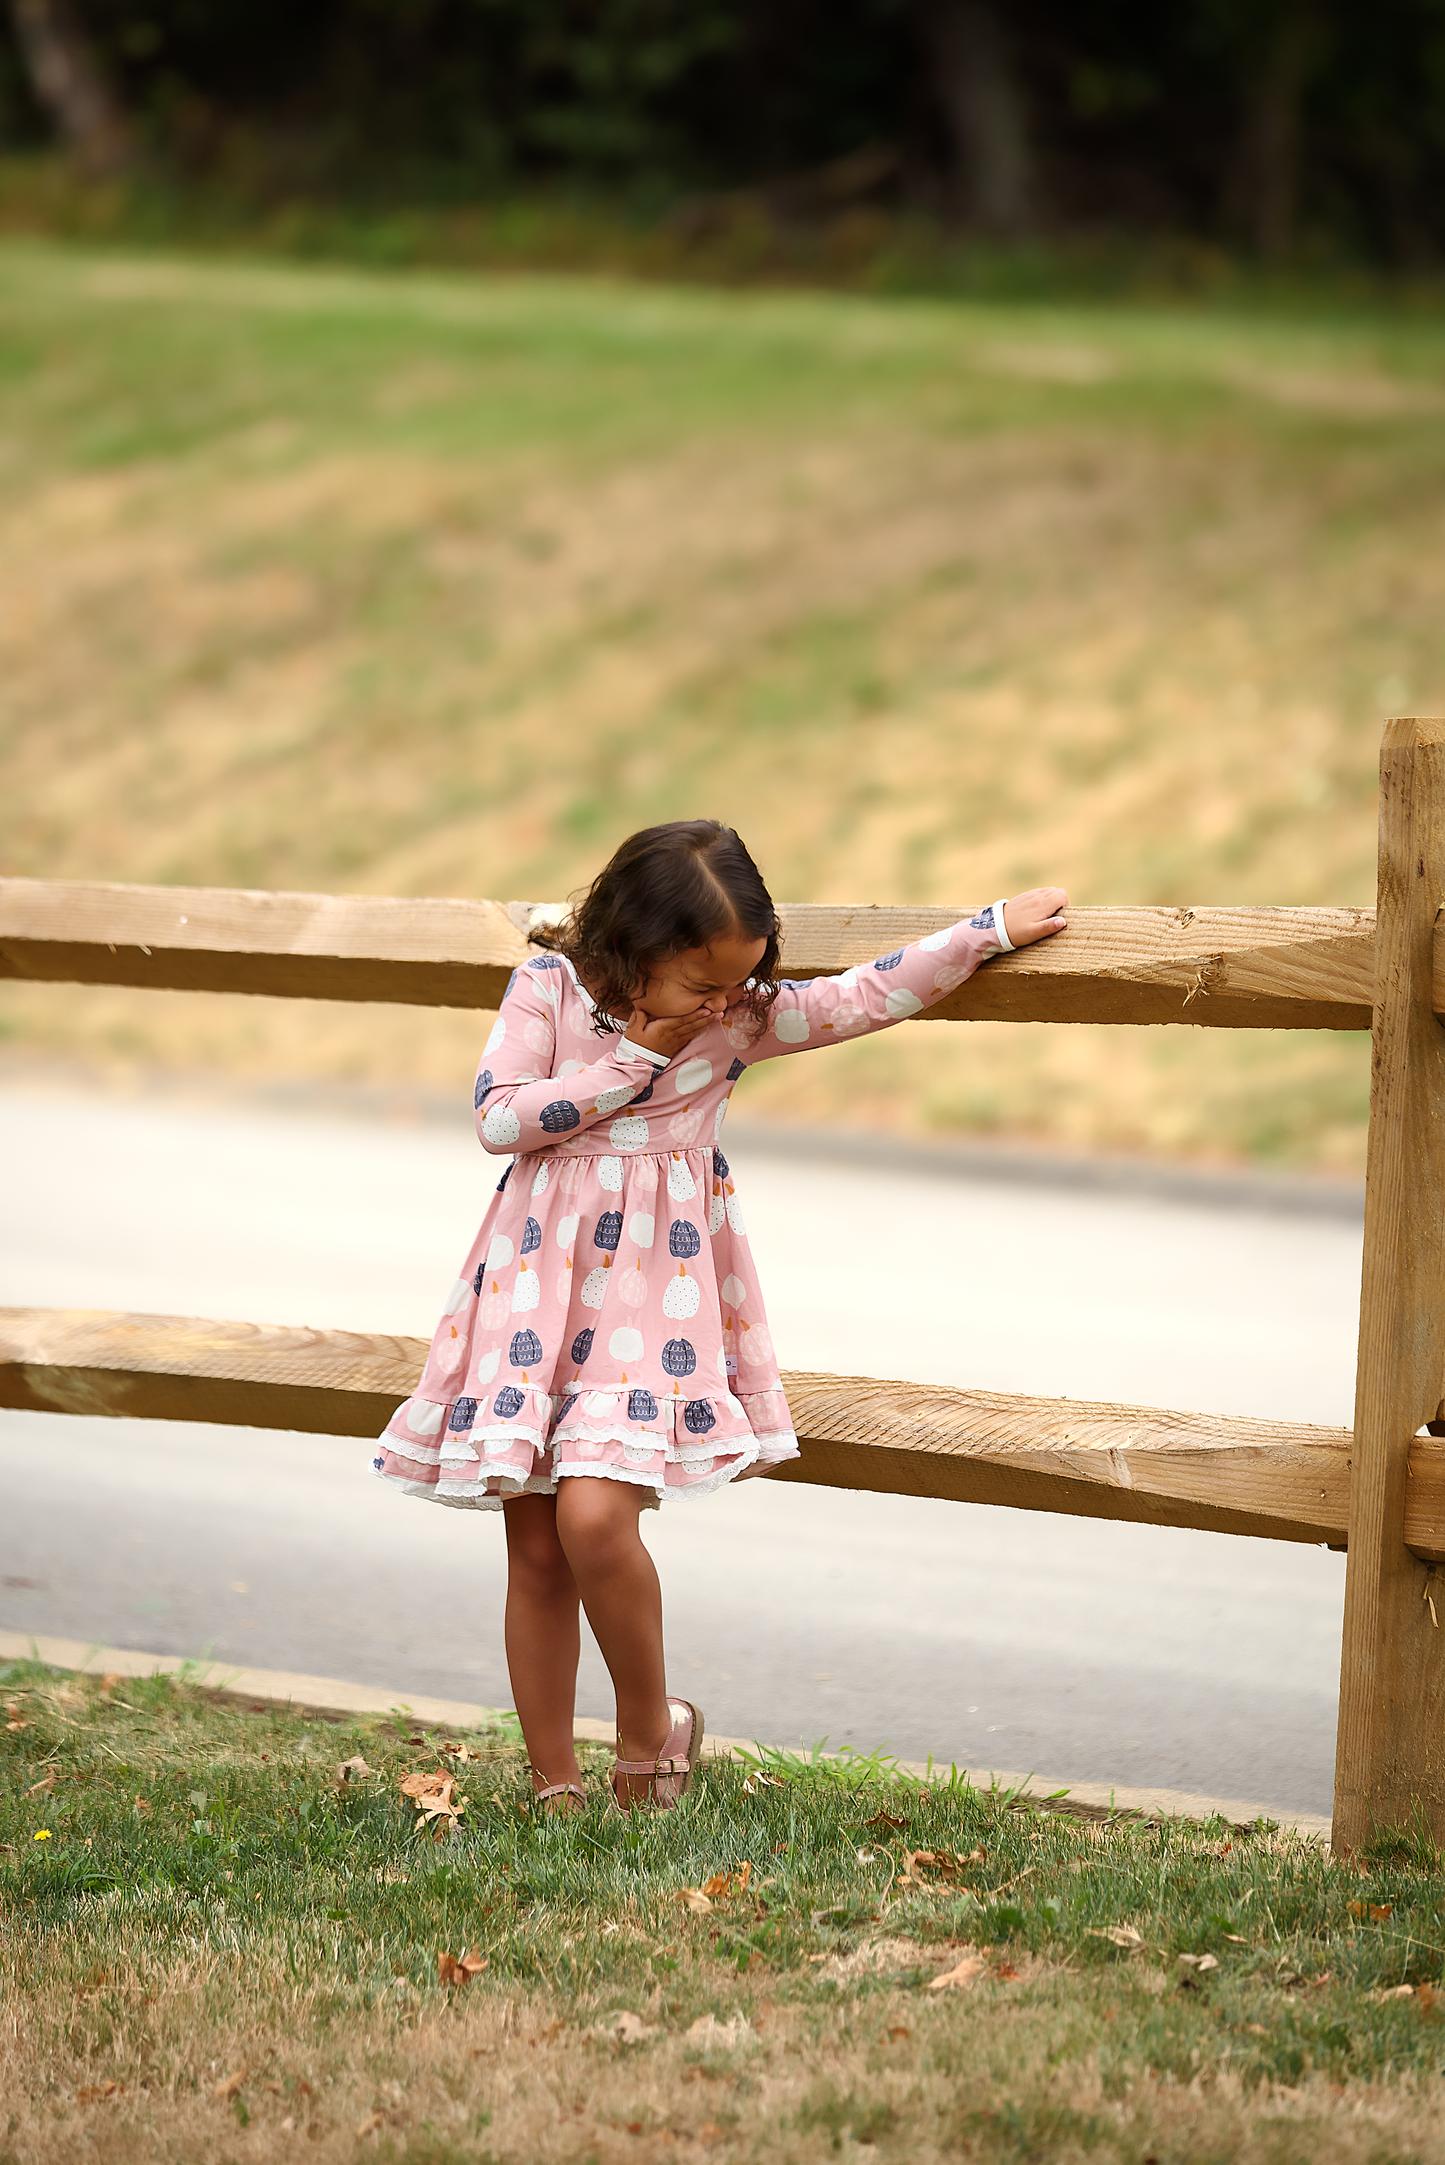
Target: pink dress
{"points": [[608, 1318]]}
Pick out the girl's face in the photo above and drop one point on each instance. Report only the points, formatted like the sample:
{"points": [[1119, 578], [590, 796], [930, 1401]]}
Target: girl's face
{"points": [[702, 980]]}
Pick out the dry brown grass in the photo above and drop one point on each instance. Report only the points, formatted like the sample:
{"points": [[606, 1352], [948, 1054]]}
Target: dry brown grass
{"points": [[925, 606]]}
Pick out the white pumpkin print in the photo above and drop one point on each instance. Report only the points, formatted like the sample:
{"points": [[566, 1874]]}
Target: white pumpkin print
{"points": [[629, 1133], [486, 1368], [934, 942], [457, 1295], [951, 975], [500, 1253], [632, 1287], [903, 1002], [683, 1126], [609, 1174], [642, 1228], [639, 1454], [692, 1076], [527, 1292], [499, 1032], [680, 1184], [501, 1127], [735, 1216], [566, 1230], [734, 1291], [722, 1362], [625, 1344], [451, 1349], [564, 1282], [424, 1417], [547, 984], [570, 1067], [791, 1027], [848, 1019], [682, 1295], [757, 1345], [594, 1285], [739, 1036], [644, 1177], [541, 1177], [847, 980], [716, 1209], [609, 1101], [538, 1035], [570, 1179], [717, 1126], [495, 1308]]}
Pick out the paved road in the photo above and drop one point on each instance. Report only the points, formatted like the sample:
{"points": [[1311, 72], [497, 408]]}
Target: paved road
{"points": [[997, 1638]]}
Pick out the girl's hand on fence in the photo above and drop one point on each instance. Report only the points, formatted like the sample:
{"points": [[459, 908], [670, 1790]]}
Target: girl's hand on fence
{"points": [[667, 1033], [1035, 915]]}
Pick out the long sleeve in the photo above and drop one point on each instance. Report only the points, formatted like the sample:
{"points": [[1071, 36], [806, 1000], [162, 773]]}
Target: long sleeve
{"points": [[875, 995], [521, 1104]]}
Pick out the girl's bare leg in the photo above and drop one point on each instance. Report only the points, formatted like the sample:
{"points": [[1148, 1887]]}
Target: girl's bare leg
{"points": [[597, 1525], [543, 1637]]}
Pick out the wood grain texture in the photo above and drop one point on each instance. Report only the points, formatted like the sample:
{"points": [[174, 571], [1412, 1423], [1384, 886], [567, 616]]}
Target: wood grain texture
{"points": [[422, 952], [1285, 969], [1095, 1461], [1390, 1753], [1229, 968]]}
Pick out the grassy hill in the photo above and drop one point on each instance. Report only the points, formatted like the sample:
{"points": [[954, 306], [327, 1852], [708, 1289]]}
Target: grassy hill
{"points": [[418, 585]]}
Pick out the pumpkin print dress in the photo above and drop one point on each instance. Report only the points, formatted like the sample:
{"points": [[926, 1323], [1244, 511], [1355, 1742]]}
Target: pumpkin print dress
{"points": [[608, 1318]]}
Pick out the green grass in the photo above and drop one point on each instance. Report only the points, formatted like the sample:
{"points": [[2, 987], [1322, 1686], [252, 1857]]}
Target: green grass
{"points": [[208, 1935], [330, 578]]}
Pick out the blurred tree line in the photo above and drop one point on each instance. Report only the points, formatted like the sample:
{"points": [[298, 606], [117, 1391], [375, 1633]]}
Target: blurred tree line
{"points": [[1264, 125]]}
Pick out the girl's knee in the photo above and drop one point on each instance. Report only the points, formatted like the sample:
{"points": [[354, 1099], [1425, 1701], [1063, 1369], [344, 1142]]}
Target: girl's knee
{"points": [[534, 1550], [598, 1518]]}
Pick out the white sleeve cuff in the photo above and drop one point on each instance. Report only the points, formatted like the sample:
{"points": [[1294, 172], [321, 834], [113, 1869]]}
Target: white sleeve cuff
{"points": [[998, 925], [627, 1049]]}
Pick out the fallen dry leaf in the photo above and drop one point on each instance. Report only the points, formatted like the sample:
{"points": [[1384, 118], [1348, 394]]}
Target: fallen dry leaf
{"points": [[627, 2028], [1007, 1974], [960, 1977], [371, 2123], [1236, 1939], [456, 1749], [1119, 1935], [1199, 1964], [755, 1782], [44, 1785], [95, 2093], [1393, 1992], [354, 1770], [229, 2086], [885, 1820], [435, 1797], [460, 1969], [694, 1899], [111, 1678], [898, 2032], [1376, 1912]]}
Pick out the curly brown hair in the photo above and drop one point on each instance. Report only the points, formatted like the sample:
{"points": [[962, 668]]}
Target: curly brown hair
{"points": [[667, 889]]}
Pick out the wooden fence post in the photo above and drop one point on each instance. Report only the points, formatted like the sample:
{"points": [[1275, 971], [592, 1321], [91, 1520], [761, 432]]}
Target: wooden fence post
{"points": [[1390, 1752]]}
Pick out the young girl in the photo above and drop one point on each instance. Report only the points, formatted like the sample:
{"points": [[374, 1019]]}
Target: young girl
{"points": [[606, 1344]]}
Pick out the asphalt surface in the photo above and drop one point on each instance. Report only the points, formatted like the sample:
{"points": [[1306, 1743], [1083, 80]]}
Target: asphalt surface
{"points": [[995, 1638]]}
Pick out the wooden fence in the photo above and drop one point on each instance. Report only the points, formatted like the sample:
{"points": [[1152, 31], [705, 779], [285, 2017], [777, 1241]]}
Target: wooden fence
{"points": [[1380, 1489]]}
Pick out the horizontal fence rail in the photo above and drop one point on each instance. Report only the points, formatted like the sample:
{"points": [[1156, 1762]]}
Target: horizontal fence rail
{"points": [[1274, 969], [1282, 1480]]}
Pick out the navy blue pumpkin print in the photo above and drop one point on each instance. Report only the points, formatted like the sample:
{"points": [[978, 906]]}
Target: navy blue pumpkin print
{"points": [[480, 1280], [641, 1406], [683, 1238], [544, 962], [559, 1116], [699, 1416], [464, 1412], [720, 1165], [505, 1177], [678, 1357], [509, 1400], [525, 1350], [484, 1084], [889, 962], [737, 1068], [582, 1346], [609, 1229], [531, 1237], [643, 1095]]}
